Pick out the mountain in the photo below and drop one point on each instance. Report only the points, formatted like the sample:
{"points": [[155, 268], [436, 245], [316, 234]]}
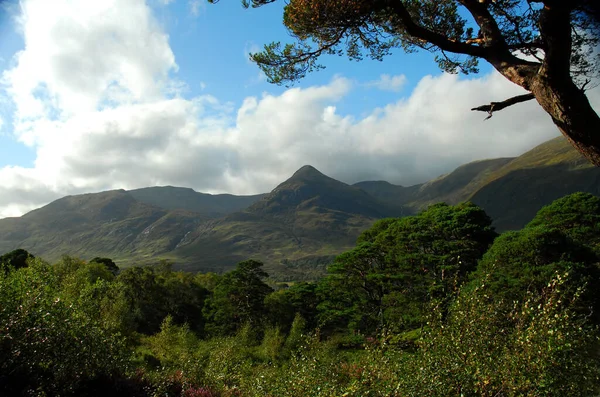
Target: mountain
{"points": [[308, 189], [171, 198], [452, 188], [308, 218], [510, 190], [297, 228], [514, 193], [125, 225], [110, 223]]}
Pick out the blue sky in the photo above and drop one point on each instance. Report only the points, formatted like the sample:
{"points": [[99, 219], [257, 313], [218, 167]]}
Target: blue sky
{"points": [[132, 93]]}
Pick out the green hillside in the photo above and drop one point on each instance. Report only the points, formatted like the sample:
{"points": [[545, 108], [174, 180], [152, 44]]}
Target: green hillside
{"points": [[110, 223], [298, 227], [307, 218], [514, 193], [452, 188], [171, 198], [510, 190]]}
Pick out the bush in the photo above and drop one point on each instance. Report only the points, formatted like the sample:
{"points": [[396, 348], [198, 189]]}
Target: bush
{"points": [[540, 346], [49, 345]]}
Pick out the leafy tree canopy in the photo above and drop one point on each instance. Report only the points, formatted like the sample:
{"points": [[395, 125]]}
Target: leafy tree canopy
{"points": [[524, 261], [16, 259], [111, 266], [401, 265], [577, 215], [238, 298]]}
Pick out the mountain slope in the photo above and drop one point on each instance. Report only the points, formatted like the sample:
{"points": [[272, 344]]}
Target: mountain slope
{"points": [[308, 216], [298, 227], [510, 190], [453, 188], [171, 198], [101, 224], [307, 219], [308, 189], [513, 194]]}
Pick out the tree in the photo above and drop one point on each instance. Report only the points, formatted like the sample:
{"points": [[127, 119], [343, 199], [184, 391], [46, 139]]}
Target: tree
{"points": [[285, 304], [547, 47], [577, 215], [111, 266], [51, 345], [542, 345], [16, 259], [238, 299], [525, 261], [400, 266], [153, 292], [354, 291], [438, 247]]}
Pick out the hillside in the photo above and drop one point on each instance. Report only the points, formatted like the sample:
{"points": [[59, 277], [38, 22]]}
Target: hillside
{"points": [[309, 218], [455, 187], [110, 223], [171, 198], [304, 222], [510, 190], [298, 227], [512, 194]]}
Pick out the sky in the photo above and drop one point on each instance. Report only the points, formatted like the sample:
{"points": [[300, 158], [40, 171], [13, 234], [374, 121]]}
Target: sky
{"points": [[122, 94]]}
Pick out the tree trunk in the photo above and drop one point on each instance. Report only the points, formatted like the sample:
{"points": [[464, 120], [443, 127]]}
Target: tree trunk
{"points": [[571, 112]]}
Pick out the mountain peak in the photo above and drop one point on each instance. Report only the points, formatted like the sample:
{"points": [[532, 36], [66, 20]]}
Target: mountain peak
{"points": [[308, 172]]}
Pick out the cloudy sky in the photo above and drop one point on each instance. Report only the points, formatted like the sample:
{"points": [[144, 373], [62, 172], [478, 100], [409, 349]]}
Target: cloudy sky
{"points": [[98, 95]]}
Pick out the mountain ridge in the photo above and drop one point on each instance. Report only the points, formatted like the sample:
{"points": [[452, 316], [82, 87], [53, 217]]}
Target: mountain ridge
{"points": [[301, 224]]}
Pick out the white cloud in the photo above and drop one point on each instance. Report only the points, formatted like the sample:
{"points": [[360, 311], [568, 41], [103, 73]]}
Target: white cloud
{"points": [[94, 129], [92, 53], [389, 83]]}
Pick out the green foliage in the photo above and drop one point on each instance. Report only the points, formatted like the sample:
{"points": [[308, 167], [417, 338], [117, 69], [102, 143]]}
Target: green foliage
{"points": [[359, 28], [525, 324], [354, 291], [237, 299], [15, 259], [110, 265], [401, 265], [272, 344], [485, 346], [577, 215], [50, 345], [526, 260], [152, 293], [296, 336], [173, 344], [66, 267], [299, 299]]}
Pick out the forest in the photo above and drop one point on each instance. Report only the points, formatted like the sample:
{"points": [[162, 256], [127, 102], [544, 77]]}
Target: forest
{"points": [[435, 304]]}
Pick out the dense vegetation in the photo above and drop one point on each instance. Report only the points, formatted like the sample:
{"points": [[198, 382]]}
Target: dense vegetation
{"points": [[435, 304]]}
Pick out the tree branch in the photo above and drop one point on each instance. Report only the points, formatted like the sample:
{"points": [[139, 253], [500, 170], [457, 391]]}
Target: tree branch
{"points": [[492, 35], [495, 106], [439, 40]]}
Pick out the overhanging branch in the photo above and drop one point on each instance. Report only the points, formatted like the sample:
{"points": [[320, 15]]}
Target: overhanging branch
{"points": [[496, 106], [439, 40]]}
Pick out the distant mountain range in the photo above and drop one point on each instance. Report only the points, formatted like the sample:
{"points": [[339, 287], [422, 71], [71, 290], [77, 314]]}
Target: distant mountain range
{"points": [[298, 227]]}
